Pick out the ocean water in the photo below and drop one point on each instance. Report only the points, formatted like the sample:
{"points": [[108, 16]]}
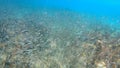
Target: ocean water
{"points": [[59, 34]]}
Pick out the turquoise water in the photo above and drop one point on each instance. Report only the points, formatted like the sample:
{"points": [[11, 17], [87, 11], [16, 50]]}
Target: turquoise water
{"points": [[104, 7], [59, 33]]}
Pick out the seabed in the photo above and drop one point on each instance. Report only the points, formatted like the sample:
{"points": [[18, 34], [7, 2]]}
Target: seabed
{"points": [[42, 38]]}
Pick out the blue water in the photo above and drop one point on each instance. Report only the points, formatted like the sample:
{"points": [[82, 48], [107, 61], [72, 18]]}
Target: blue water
{"points": [[109, 9], [104, 7], [99, 7]]}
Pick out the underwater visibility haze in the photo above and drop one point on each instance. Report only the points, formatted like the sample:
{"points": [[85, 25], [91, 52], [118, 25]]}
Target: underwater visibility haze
{"points": [[59, 33], [111, 7]]}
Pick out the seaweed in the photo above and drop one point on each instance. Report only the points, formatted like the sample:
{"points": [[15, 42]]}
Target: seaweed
{"points": [[3, 32], [57, 39]]}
